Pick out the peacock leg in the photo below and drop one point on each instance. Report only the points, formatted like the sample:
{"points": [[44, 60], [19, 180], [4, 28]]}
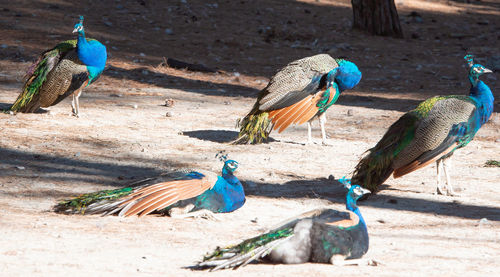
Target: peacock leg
{"points": [[75, 104], [309, 133], [447, 171], [339, 260], [439, 168], [322, 121]]}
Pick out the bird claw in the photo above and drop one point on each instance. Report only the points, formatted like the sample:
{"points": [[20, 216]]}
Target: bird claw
{"points": [[326, 143], [205, 214], [446, 191]]}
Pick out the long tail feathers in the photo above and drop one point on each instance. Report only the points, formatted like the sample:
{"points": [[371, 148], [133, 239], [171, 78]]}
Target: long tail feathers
{"points": [[376, 166], [28, 100], [245, 252], [254, 128], [102, 202]]}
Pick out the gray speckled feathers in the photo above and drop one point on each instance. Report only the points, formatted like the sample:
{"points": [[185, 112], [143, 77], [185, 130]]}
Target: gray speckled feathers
{"points": [[432, 130], [295, 76]]}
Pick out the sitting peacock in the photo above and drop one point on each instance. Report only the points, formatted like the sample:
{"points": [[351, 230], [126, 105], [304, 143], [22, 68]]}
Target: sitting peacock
{"points": [[198, 192], [297, 93], [62, 71], [431, 132], [321, 235]]}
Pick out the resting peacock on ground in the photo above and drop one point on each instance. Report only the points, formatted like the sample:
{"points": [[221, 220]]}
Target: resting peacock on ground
{"points": [[62, 71], [321, 235], [296, 94], [431, 132], [197, 192]]}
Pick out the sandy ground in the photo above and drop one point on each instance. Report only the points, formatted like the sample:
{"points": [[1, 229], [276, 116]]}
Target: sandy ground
{"points": [[124, 135]]}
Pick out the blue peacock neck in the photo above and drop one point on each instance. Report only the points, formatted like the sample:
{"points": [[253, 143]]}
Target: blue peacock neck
{"points": [[351, 206], [482, 94]]}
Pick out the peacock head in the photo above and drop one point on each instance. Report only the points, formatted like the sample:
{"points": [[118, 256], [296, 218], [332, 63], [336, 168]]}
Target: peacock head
{"points": [[475, 70], [348, 75], [356, 192], [230, 166], [79, 26]]}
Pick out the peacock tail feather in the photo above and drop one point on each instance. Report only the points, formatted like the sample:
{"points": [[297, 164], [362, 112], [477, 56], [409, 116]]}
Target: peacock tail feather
{"points": [[80, 203], [376, 166], [248, 245], [254, 127]]}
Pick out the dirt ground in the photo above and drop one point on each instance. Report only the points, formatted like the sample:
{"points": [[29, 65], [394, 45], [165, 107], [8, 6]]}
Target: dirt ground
{"points": [[124, 134]]}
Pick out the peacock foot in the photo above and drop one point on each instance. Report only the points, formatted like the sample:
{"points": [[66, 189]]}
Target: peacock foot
{"points": [[445, 190], [339, 260], [205, 214], [326, 143]]}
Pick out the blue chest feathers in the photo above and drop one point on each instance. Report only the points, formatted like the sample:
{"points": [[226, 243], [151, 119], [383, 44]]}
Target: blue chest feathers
{"points": [[226, 196], [93, 54]]}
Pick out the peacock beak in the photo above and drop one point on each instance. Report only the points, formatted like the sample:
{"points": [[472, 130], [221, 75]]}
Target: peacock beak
{"points": [[365, 191], [75, 30], [486, 70]]}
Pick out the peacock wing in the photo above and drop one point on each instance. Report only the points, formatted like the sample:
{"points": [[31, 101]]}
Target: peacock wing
{"points": [[157, 196], [68, 76], [438, 133], [295, 81]]}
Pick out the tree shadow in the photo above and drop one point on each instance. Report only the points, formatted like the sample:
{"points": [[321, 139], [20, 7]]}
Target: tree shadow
{"points": [[334, 191], [144, 75], [75, 170]]}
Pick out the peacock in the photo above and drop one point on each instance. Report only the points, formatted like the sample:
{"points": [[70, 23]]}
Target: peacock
{"points": [[321, 235], [199, 193], [431, 132], [62, 71], [300, 91]]}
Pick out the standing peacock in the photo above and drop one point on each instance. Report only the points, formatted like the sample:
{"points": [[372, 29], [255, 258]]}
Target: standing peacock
{"points": [[431, 132], [62, 71], [200, 192], [321, 235], [297, 93]]}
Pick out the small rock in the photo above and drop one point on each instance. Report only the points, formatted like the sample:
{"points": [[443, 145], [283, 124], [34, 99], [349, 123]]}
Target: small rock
{"points": [[350, 112], [255, 220], [21, 167], [135, 106], [144, 71], [169, 114], [169, 102], [77, 154], [169, 31], [237, 74], [227, 103], [483, 22], [381, 221], [107, 23], [142, 54], [484, 221], [115, 95]]}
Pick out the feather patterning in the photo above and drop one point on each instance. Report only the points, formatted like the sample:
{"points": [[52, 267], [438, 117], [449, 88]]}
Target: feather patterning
{"points": [[322, 235], [62, 71], [431, 132], [196, 190], [296, 94]]}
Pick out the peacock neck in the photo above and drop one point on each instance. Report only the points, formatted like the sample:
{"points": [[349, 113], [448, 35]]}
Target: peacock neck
{"points": [[351, 206], [82, 42], [482, 94]]}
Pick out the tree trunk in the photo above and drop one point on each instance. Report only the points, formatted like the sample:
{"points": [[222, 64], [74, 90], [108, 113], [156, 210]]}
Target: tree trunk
{"points": [[378, 17]]}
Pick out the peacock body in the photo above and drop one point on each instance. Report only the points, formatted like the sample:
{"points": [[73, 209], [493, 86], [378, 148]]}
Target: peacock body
{"points": [[321, 235], [431, 132], [302, 90], [62, 71], [191, 190]]}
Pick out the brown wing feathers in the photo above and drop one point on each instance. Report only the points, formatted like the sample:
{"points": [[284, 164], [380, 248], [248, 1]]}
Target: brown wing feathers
{"points": [[159, 196], [299, 112], [418, 164]]}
